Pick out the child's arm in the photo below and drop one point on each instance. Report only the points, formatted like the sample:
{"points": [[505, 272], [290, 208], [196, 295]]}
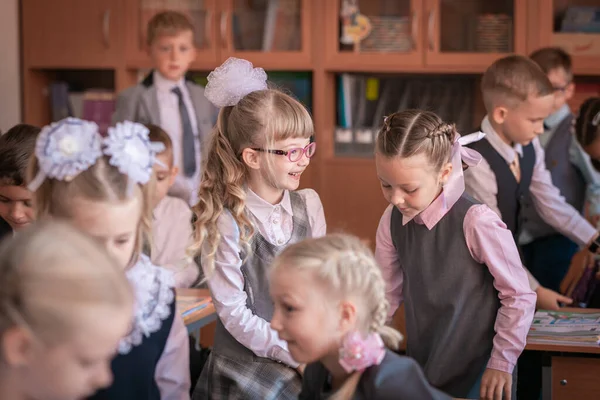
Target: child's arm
{"points": [[173, 371], [387, 257], [227, 289], [551, 205], [480, 182], [490, 243]]}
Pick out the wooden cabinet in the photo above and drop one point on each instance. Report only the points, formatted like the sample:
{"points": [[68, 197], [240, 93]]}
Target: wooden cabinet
{"points": [[72, 33], [568, 24], [202, 13], [575, 378], [472, 34], [274, 34], [422, 35], [394, 41]]}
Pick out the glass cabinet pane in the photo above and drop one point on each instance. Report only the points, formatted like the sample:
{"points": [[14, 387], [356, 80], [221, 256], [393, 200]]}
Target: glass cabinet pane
{"points": [[475, 26], [376, 26], [576, 16], [195, 10], [267, 25]]}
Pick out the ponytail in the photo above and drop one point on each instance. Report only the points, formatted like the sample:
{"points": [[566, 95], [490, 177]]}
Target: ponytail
{"points": [[221, 187]]}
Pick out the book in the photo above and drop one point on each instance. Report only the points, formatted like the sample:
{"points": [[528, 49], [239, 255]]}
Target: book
{"points": [[189, 304], [566, 328]]}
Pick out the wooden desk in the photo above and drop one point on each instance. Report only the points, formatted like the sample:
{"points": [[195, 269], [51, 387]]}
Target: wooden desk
{"points": [[196, 320], [570, 372]]}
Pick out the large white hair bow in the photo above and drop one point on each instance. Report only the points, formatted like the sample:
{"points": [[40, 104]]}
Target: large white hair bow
{"points": [[233, 80]]}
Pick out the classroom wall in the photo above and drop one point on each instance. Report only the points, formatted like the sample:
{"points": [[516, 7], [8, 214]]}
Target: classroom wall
{"points": [[10, 77]]}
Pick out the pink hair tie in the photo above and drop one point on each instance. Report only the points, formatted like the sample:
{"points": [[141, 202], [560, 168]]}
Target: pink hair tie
{"points": [[358, 353]]}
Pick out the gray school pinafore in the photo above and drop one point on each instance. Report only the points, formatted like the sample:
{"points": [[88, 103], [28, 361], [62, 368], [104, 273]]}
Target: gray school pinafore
{"points": [[232, 370], [450, 300]]}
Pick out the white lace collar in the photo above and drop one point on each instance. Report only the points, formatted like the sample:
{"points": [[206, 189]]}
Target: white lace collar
{"points": [[153, 288]]}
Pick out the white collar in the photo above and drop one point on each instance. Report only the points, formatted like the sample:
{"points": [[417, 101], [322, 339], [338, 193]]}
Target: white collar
{"points": [[166, 85], [153, 290], [507, 152], [262, 209]]}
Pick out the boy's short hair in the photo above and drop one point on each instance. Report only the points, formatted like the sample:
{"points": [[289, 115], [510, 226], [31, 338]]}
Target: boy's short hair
{"points": [[17, 146], [549, 58], [167, 23], [157, 134], [511, 80]]}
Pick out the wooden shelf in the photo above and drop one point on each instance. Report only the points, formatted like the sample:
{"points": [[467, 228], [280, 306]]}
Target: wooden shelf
{"points": [[68, 36]]}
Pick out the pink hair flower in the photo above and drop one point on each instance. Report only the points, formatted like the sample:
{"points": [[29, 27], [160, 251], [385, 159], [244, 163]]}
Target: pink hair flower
{"points": [[358, 353]]}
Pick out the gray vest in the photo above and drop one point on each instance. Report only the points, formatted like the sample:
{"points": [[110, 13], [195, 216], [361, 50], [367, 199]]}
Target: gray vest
{"points": [[450, 300], [256, 285], [565, 176]]}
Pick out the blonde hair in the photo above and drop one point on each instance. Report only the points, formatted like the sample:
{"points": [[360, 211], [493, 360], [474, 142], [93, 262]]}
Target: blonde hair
{"points": [[167, 23], [346, 267], [100, 182], [257, 120], [411, 132], [48, 271], [511, 80]]}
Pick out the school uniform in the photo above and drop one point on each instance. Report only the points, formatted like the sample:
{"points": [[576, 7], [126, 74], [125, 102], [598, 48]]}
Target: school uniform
{"points": [[249, 360], [494, 182], [171, 236], [396, 378], [153, 358], [154, 101], [546, 252], [466, 295]]}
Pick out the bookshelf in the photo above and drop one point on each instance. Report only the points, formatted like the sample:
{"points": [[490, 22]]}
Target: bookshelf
{"points": [[434, 42]]}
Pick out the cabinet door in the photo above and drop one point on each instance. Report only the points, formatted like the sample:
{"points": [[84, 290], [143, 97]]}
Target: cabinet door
{"points": [[575, 378], [374, 35], [71, 33], [470, 34], [573, 25], [200, 12], [273, 34]]}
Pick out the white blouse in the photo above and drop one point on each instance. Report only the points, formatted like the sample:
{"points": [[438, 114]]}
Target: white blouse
{"points": [[275, 224]]}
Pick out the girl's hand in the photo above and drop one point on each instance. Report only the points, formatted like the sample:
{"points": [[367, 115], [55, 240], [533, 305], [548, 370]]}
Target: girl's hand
{"points": [[300, 369], [549, 300], [494, 383]]}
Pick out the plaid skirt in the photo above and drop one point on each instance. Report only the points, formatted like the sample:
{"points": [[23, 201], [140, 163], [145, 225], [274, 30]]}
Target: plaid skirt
{"points": [[226, 379]]}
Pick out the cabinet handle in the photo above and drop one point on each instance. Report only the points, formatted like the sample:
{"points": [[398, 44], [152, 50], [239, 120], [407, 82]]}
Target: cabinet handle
{"points": [[106, 28], [430, 30], [415, 29], [208, 27], [224, 18], [563, 382]]}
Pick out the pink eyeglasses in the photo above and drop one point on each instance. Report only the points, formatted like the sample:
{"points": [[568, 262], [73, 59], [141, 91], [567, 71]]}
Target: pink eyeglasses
{"points": [[295, 154]]}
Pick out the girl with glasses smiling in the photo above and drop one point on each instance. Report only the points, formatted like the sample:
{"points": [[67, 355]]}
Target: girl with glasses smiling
{"points": [[249, 211]]}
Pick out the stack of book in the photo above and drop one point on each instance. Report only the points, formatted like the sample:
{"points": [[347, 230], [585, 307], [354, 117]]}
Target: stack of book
{"points": [[565, 328]]}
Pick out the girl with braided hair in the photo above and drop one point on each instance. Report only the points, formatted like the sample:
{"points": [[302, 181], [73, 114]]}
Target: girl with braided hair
{"points": [[330, 307], [450, 259]]}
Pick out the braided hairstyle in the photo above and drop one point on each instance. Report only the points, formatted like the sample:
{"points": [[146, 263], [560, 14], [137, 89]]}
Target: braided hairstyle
{"points": [[411, 132], [346, 267]]}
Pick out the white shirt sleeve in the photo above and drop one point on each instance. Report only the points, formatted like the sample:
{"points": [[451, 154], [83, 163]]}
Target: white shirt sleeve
{"points": [[172, 235], [480, 182], [227, 289], [316, 215]]}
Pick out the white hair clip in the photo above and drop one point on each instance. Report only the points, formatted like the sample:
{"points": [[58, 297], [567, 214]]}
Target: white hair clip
{"points": [[233, 80], [131, 151], [66, 148]]}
